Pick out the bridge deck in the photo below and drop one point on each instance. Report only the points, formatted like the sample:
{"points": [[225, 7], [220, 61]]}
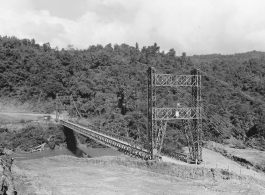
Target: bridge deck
{"points": [[125, 145], [131, 148]]}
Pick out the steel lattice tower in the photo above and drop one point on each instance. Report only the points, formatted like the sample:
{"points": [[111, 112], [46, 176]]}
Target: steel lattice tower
{"points": [[191, 116]]}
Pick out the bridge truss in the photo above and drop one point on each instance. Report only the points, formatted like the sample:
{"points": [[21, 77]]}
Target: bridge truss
{"points": [[190, 113], [126, 145], [127, 99]]}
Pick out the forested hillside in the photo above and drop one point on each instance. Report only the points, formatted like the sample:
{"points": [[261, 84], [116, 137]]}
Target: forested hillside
{"points": [[233, 86]]}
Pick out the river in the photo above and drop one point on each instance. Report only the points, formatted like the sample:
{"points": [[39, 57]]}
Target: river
{"points": [[78, 152]]}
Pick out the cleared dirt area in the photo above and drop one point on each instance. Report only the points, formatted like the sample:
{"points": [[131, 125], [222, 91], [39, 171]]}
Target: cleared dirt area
{"points": [[213, 159], [217, 161], [123, 175], [249, 158]]}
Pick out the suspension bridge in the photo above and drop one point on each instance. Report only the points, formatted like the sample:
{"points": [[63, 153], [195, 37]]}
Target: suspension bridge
{"points": [[126, 145], [189, 110], [157, 120]]}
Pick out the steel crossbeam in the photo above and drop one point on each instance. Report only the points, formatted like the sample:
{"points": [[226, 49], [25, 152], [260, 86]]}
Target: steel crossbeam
{"points": [[175, 113], [174, 80]]}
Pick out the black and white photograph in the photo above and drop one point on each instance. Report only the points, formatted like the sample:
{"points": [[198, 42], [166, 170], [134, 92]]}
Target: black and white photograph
{"points": [[132, 97]]}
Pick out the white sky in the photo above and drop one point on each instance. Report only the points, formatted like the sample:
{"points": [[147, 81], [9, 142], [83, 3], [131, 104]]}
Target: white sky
{"points": [[193, 26]]}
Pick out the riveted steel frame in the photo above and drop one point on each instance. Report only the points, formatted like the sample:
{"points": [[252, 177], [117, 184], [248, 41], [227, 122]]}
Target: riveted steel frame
{"points": [[175, 80], [191, 116], [197, 126], [151, 119]]}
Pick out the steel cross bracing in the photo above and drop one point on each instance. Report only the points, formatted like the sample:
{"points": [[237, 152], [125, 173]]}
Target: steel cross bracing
{"points": [[176, 113], [129, 98], [158, 117], [174, 80]]}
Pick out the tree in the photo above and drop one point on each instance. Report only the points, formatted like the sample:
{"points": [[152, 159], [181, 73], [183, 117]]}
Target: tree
{"points": [[46, 47], [136, 46], [70, 47]]}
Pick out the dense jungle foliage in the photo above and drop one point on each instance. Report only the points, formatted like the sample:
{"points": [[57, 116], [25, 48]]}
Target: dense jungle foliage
{"points": [[31, 136], [109, 84]]}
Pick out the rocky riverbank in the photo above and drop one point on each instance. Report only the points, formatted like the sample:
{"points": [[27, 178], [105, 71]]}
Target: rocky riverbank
{"points": [[26, 132]]}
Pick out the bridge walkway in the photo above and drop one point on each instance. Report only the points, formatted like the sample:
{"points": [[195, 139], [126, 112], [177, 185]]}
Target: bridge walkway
{"points": [[123, 144]]}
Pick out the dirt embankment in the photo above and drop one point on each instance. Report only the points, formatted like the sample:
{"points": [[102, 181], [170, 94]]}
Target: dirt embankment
{"points": [[123, 175], [250, 158]]}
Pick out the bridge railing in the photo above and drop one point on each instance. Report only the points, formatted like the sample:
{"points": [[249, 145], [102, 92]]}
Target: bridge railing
{"points": [[178, 156], [132, 142], [127, 147]]}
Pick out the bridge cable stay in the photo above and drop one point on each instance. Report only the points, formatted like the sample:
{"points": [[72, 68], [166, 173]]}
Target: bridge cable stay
{"points": [[222, 126], [61, 106], [229, 85], [134, 143], [128, 99], [76, 108], [219, 121]]}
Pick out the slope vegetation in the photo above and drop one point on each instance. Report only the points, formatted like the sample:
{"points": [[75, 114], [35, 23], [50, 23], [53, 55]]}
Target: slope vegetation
{"points": [[109, 85]]}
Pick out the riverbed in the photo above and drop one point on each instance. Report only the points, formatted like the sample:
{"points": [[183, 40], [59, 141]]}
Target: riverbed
{"points": [[80, 151]]}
